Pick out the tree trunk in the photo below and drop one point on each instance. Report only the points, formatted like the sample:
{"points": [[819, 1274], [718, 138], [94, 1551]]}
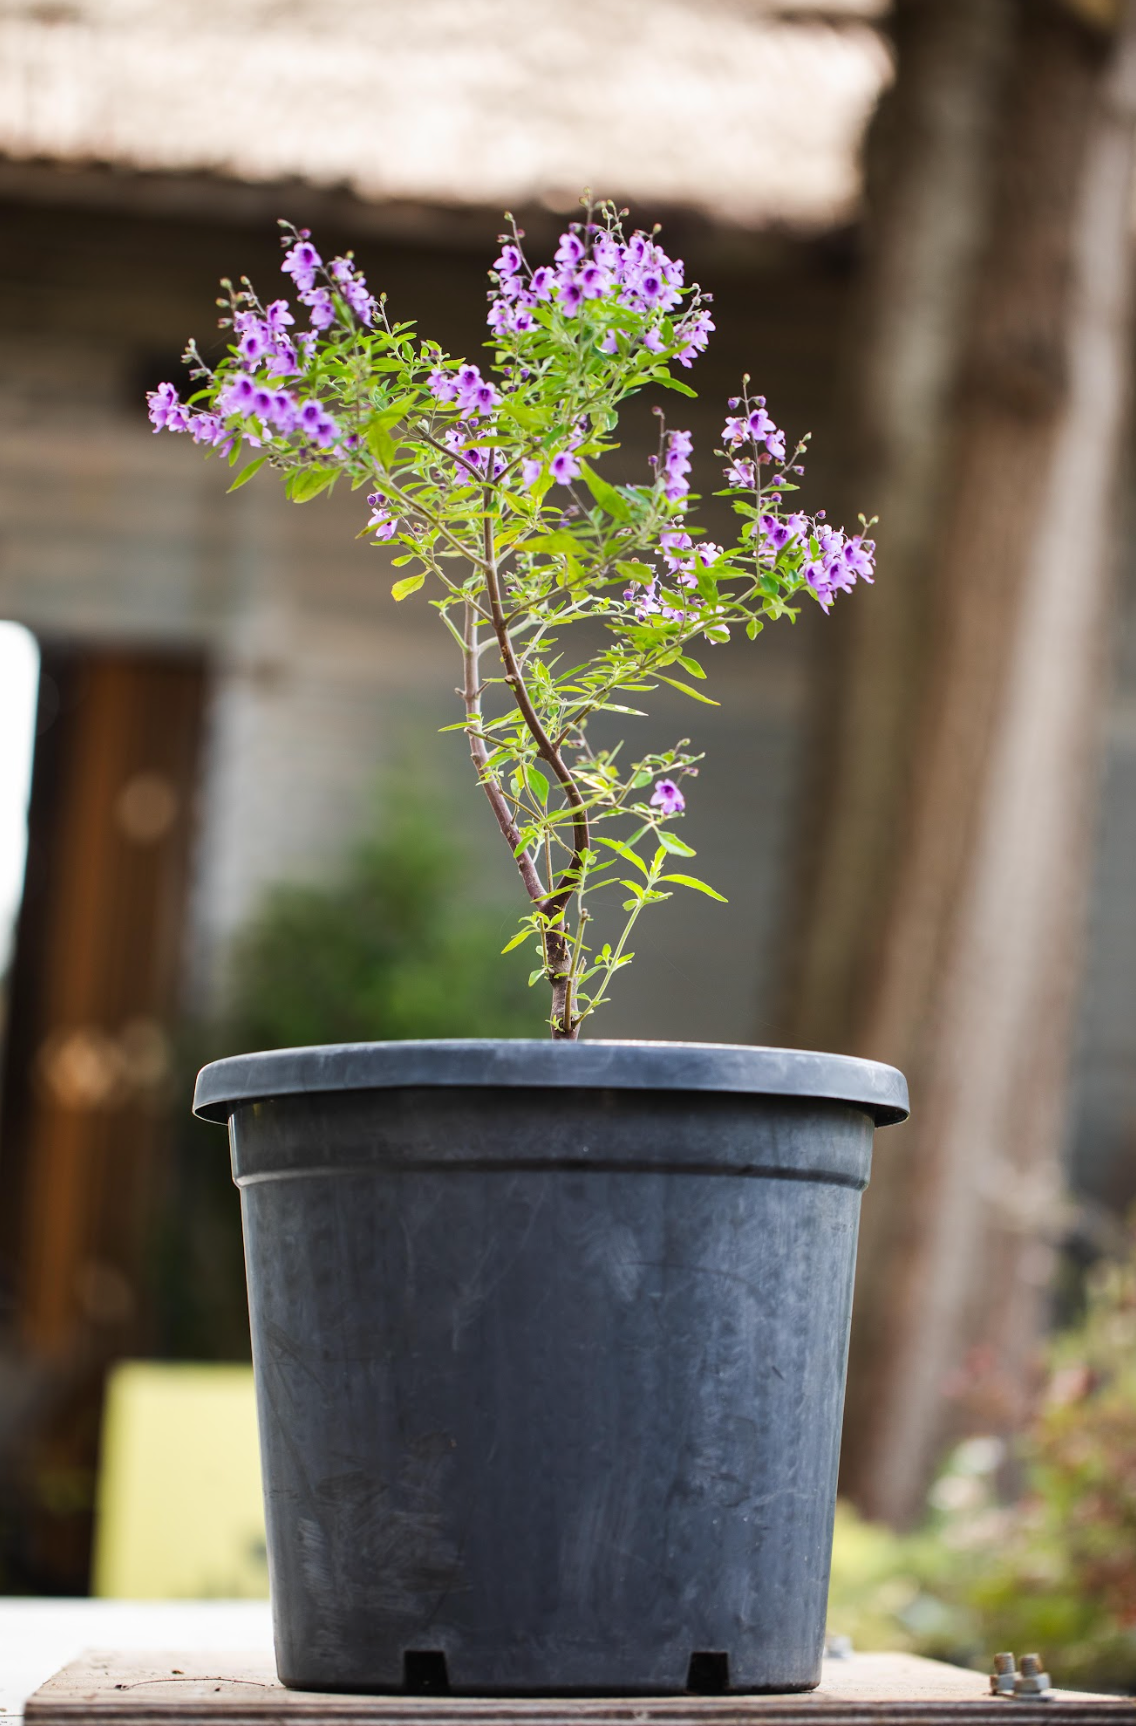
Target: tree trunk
{"points": [[954, 954]]}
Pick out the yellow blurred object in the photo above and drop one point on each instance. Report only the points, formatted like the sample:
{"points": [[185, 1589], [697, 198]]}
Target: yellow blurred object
{"points": [[179, 1505]]}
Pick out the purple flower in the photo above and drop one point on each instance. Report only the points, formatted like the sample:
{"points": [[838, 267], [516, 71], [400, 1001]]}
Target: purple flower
{"points": [[644, 598], [282, 412], [775, 534], [530, 470], [326, 432], [321, 307], [571, 296], [353, 287], [278, 317], [676, 465], [235, 396], [510, 261], [262, 401], [668, 798], [654, 342], [382, 524], [473, 395], [166, 410], [672, 542], [309, 416], [255, 343], [608, 343], [859, 554], [542, 283], [570, 250], [734, 432], [695, 332], [282, 361], [741, 473], [594, 281], [817, 577], [564, 467], [775, 443], [759, 423], [210, 429], [301, 263], [442, 385]]}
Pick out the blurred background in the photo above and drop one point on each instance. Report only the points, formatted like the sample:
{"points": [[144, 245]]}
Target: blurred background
{"points": [[218, 735]]}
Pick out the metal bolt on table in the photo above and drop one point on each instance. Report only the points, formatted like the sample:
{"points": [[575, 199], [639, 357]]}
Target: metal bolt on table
{"points": [[1004, 1676], [1031, 1681]]}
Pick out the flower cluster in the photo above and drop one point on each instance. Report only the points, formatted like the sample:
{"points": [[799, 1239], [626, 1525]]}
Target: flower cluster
{"points": [[265, 411], [592, 263], [264, 343], [466, 389], [460, 465], [757, 428], [831, 561], [383, 523], [303, 263], [250, 402], [683, 560]]}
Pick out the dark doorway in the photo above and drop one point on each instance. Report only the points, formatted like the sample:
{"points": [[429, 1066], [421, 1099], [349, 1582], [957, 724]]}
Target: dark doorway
{"points": [[93, 998]]}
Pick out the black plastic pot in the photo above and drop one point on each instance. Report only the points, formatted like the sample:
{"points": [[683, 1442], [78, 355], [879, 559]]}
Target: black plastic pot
{"points": [[549, 1344]]}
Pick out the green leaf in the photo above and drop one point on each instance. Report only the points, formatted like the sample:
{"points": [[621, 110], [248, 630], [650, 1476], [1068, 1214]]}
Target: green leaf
{"points": [[678, 847], [537, 784], [625, 851], [381, 444], [558, 541], [606, 495], [396, 410], [693, 881], [523, 416], [516, 941], [670, 383], [309, 482], [246, 473], [691, 665], [695, 694], [408, 584]]}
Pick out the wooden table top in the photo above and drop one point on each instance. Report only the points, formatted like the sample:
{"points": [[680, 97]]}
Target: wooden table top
{"points": [[227, 1689]]}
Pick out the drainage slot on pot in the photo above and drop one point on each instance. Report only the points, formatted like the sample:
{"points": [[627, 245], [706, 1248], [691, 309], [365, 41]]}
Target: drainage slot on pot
{"points": [[709, 1672], [424, 1669]]}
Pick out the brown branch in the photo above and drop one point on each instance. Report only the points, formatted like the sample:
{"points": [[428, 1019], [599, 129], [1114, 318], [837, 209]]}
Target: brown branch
{"points": [[557, 946], [471, 696]]}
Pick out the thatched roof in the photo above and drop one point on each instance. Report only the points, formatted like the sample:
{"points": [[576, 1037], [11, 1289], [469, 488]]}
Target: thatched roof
{"points": [[748, 112]]}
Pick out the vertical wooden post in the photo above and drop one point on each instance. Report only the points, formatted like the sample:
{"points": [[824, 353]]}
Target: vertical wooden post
{"points": [[972, 978]]}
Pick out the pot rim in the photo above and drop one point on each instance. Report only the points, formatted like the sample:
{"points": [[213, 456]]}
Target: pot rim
{"points": [[541, 1064]]}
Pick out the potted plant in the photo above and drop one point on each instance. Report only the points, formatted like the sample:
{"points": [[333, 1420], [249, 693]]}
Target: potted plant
{"points": [[549, 1336]]}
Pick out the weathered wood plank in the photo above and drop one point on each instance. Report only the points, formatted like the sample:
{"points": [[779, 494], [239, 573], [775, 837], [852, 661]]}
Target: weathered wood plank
{"points": [[123, 1689]]}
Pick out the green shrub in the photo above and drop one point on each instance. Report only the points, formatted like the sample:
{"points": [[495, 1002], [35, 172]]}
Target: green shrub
{"points": [[1054, 1570], [395, 947]]}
